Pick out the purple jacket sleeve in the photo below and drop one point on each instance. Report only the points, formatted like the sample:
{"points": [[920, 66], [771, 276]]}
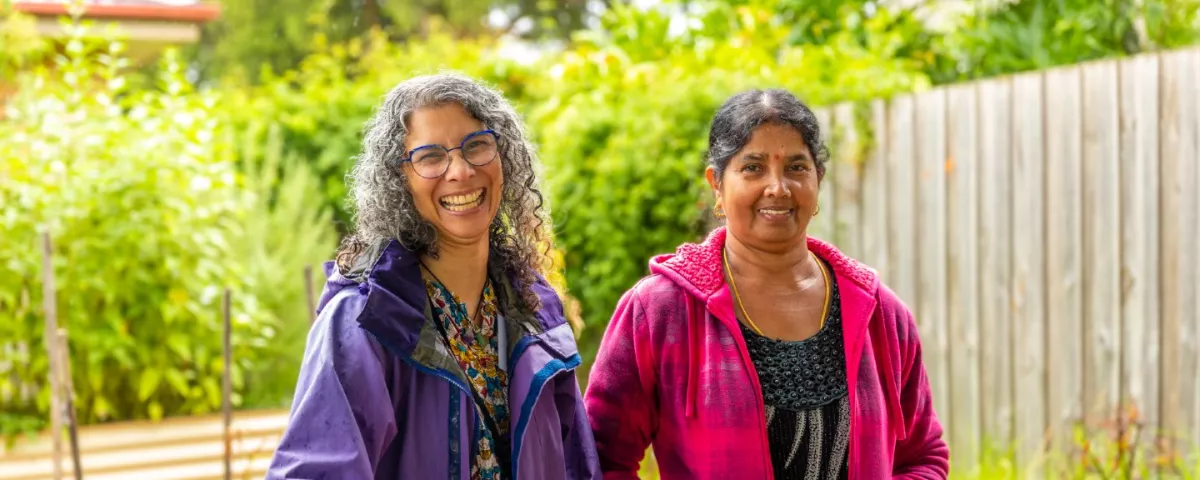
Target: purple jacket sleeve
{"points": [[342, 420]]}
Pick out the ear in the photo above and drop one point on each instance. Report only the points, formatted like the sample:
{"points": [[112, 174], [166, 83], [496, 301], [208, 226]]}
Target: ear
{"points": [[710, 174]]}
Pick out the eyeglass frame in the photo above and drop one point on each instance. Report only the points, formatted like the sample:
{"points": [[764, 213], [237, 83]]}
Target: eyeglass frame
{"points": [[408, 158]]}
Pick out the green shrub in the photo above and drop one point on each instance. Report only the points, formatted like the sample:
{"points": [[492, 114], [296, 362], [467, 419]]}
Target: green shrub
{"points": [[1016, 36], [286, 230], [22, 45], [142, 199]]}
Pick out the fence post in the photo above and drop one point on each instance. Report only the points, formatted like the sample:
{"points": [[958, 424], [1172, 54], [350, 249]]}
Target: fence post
{"points": [[68, 396], [308, 292], [51, 319], [227, 387]]}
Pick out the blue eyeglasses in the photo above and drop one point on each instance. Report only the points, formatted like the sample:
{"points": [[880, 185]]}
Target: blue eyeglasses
{"points": [[433, 161]]}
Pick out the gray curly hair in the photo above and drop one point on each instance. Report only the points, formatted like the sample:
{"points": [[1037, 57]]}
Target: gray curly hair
{"points": [[384, 206]]}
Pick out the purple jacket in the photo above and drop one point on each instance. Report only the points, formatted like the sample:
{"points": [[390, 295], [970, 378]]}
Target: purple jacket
{"points": [[380, 396]]}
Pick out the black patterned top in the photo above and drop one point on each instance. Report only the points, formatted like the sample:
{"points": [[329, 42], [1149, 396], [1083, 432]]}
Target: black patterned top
{"points": [[805, 390]]}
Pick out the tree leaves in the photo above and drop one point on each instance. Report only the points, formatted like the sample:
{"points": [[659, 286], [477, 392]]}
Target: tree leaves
{"points": [[149, 383]]}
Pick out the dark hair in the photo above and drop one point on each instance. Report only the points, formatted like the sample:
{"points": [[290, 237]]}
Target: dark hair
{"points": [[737, 118]]}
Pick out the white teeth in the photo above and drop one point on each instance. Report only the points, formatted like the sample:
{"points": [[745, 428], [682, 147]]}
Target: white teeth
{"points": [[459, 203], [775, 212]]}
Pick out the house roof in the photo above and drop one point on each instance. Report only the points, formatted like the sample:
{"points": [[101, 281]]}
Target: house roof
{"points": [[187, 11]]}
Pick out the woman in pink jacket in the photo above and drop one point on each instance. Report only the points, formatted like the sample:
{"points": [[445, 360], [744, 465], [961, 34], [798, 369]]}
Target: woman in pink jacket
{"points": [[763, 352]]}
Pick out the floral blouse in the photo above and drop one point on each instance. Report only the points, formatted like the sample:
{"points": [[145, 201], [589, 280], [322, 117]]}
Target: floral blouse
{"points": [[475, 347]]}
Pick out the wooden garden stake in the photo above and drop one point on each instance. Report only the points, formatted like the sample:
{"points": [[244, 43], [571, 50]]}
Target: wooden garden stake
{"points": [[308, 291], [68, 397], [227, 388], [49, 306]]}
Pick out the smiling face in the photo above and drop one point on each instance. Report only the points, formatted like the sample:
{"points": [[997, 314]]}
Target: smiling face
{"points": [[768, 191], [462, 203]]}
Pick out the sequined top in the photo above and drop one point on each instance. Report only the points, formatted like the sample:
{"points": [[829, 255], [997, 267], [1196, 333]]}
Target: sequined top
{"points": [[476, 348], [806, 394]]}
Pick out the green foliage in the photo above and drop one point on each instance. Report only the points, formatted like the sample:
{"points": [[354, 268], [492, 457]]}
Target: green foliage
{"points": [[862, 22], [234, 45], [1036, 34], [156, 205], [286, 230], [20, 46], [142, 200], [623, 122]]}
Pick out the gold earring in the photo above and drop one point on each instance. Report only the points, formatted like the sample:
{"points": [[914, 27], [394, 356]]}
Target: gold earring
{"points": [[718, 211], [818, 210]]}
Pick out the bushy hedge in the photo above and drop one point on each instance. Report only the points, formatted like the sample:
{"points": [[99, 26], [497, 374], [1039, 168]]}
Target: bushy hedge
{"points": [[155, 207], [142, 200]]}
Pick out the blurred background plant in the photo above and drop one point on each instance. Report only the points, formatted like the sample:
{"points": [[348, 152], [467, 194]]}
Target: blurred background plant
{"points": [[143, 200], [222, 166]]}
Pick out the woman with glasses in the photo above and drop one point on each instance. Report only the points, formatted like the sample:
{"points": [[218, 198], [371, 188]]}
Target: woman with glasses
{"points": [[763, 352], [439, 350]]}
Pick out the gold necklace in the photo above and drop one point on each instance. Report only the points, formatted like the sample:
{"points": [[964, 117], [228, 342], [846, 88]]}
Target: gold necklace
{"points": [[733, 286]]}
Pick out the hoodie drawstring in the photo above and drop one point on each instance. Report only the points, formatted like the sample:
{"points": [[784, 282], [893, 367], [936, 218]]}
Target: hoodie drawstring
{"points": [[694, 358]]}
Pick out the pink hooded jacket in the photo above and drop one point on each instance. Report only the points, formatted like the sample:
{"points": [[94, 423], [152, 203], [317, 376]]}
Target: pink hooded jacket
{"points": [[673, 370]]}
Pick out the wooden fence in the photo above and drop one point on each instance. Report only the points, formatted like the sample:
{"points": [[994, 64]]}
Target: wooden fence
{"points": [[185, 448], [1043, 229]]}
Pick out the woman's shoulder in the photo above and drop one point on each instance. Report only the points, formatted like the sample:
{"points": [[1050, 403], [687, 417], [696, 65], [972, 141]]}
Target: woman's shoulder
{"points": [[656, 288], [655, 300], [895, 316], [336, 337]]}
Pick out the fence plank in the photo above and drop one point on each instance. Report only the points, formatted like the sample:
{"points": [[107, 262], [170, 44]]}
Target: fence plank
{"points": [[1028, 280], [1139, 239], [963, 285], [1101, 254], [1193, 382], [1177, 127], [873, 235], [1064, 295], [50, 310], [901, 239], [995, 221], [844, 180], [823, 224], [931, 247]]}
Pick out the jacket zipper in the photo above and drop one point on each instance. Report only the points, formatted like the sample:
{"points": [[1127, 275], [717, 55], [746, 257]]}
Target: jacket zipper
{"points": [[761, 403], [447, 376], [535, 393]]}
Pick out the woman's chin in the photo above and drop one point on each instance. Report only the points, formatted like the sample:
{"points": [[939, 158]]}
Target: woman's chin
{"points": [[776, 233], [465, 229]]}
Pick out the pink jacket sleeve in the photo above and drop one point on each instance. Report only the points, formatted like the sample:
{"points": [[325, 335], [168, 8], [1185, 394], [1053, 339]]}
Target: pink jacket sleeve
{"points": [[621, 402], [922, 454]]}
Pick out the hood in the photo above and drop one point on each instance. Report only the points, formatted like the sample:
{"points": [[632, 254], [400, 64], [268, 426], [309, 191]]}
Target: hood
{"points": [[396, 308], [336, 280]]}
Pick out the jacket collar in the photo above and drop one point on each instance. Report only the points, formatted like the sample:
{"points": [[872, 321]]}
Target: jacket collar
{"points": [[397, 311]]}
